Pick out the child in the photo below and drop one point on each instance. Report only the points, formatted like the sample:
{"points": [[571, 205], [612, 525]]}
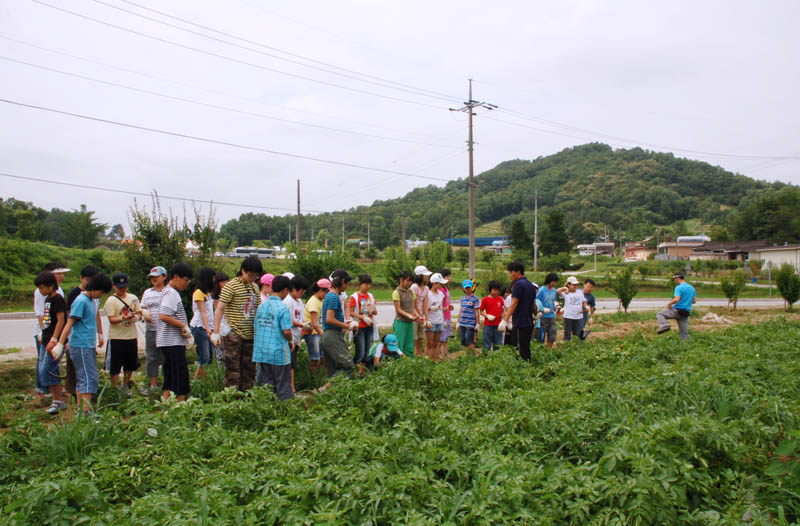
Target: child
{"points": [[313, 324], [405, 313], [87, 273], [266, 286], [574, 306], [538, 334], [81, 330], [123, 310], [174, 333], [294, 303], [151, 299], [548, 296], [386, 348], [272, 349], [492, 309], [57, 269], [509, 337], [202, 324], [591, 302], [220, 280], [435, 317], [420, 290], [53, 321], [469, 318], [447, 309], [338, 359], [362, 309]]}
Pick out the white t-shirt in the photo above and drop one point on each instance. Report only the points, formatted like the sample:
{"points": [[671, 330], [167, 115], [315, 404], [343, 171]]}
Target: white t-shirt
{"points": [[151, 299], [296, 311], [507, 301], [573, 305], [421, 292], [38, 308], [208, 306], [435, 302]]}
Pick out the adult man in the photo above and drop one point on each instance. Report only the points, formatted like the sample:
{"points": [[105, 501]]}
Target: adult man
{"points": [[679, 308], [586, 327], [522, 309]]}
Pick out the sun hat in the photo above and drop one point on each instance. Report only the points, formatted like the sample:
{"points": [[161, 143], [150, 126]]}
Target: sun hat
{"points": [[266, 279], [467, 283], [324, 284], [422, 270], [157, 271], [438, 278], [391, 343], [288, 275], [572, 280]]}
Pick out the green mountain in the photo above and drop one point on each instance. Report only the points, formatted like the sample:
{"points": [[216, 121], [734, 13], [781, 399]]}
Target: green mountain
{"points": [[594, 185]]}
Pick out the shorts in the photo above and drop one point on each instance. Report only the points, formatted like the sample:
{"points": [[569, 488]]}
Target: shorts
{"points": [[436, 327], [419, 331], [312, 342], [203, 343], [86, 378], [152, 354], [277, 376], [176, 370], [124, 355], [48, 372], [445, 331], [294, 355], [548, 327], [467, 336], [338, 359]]}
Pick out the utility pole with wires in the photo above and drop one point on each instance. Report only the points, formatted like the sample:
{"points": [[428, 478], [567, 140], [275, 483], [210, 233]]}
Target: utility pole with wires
{"points": [[403, 231], [368, 234], [468, 107], [297, 227], [342, 233], [536, 230]]}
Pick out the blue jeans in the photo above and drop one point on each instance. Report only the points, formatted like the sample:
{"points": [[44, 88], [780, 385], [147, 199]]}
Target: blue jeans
{"points": [[467, 336], [312, 342], [363, 338], [85, 360], [203, 343], [39, 387], [48, 373], [492, 338]]}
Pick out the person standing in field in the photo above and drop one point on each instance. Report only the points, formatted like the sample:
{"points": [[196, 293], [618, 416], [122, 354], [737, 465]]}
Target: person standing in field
{"points": [[174, 333], [87, 273], [679, 308], [238, 302], [509, 338], [57, 269], [548, 296], [294, 304], [405, 313], [313, 323], [151, 300], [469, 317], [272, 348], [53, 323], [522, 309], [420, 289], [574, 307], [122, 310], [492, 310], [435, 317], [202, 324], [220, 280], [338, 359], [447, 310], [363, 310], [591, 303]]}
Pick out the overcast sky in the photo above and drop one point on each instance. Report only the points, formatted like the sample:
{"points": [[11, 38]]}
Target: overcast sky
{"points": [[703, 77]]}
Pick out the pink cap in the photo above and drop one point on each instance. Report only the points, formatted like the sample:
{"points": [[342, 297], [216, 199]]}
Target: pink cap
{"points": [[324, 284], [266, 279]]}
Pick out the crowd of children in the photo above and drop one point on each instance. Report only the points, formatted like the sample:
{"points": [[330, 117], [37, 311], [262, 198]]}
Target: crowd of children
{"points": [[254, 324]]}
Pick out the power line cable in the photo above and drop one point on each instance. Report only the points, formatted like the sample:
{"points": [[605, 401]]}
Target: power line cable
{"points": [[235, 60], [218, 107], [216, 141]]}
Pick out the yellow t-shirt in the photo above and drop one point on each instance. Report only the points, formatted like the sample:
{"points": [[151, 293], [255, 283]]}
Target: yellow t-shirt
{"points": [[314, 304], [125, 330]]}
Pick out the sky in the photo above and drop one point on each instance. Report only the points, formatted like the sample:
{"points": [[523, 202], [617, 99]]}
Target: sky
{"points": [[358, 93]]}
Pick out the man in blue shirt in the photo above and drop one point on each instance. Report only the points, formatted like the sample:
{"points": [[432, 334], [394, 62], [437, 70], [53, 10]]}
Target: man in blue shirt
{"points": [[548, 295], [271, 342], [679, 308]]}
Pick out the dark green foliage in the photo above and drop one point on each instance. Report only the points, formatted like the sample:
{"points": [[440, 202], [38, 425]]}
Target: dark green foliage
{"points": [[554, 239], [462, 256], [396, 261], [623, 286], [555, 262], [732, 288], [520, 241], [82, 228], [316, 265], [23, 220], [788, 284], [436, 255], [775, 217]]}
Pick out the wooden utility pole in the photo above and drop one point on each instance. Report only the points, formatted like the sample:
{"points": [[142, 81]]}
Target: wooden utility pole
{"points": [[367, 233], [403, 231], [536, 230], [297, 228], [469, 106], [342, 232]]}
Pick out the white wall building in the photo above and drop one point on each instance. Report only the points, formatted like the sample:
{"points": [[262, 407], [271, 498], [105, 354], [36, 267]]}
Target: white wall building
{"points": [[779, 255]]}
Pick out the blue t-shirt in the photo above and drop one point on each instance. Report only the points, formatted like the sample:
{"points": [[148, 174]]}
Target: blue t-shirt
{"points": [[548, 298], [469, 305], [84, 328], [687, 294], [269, 345], [332, 302]]}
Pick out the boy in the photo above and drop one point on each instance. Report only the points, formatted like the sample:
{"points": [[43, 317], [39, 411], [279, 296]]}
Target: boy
{"points": [[405, 313], [81, 330], [591, 302], [53, 322], [313, 325], [173, 333], [362, 309], [386, 348], [58, 270], [574, 307], [548, 296], [87, 273], [151, 300], [469, 318], [123, 310], [238, 302], [294, 303], [272, 350], [492, 309]]}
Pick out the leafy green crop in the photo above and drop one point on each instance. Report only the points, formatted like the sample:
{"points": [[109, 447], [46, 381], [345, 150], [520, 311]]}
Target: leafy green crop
{"points": [[634, 431]]}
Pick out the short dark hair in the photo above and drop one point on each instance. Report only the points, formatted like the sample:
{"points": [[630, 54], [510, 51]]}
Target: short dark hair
{"points": [[205, 279], [405, 274], [590, 281], [444, 272], [252, 264], [99, 282], [46, 278], [182, 270], [364, 278], [299, 283], [550, 278], [678, 275], [89, 271], [218, 278], [505, 290], [52, 265], [494, 284], [516, 266], [280, 283]]}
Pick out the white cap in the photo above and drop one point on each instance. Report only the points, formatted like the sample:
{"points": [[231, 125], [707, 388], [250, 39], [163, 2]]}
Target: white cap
{"points": [[288, 275], [60, 270], [438, 278], [573, 280], [422, 270]]}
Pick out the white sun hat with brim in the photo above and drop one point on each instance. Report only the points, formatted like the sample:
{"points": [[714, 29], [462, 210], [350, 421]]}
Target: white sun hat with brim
{"points": [[438, 278], [422, 270]]}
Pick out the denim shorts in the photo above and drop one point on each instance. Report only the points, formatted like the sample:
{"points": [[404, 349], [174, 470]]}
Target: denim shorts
{"points": [[436, 327], [446, 331], [203, 343], [85, 360], [467, 336], [312, 342], [48, 372]]}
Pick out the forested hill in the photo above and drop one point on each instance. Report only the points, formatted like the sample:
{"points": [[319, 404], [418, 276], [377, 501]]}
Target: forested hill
{"points": [[594, 185]]}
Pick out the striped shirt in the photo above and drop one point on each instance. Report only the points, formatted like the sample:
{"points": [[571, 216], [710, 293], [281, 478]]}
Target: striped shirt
{"points": [[171, 305], [469, 305], [269, 345], [241, 302]]}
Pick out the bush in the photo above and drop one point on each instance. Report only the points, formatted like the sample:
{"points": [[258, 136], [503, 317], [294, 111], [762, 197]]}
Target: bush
{"points": [[788, 284], [436, 255], [462, 256], [315, 265], [623, 287], [732, 288], [395, 261], [555, 263]]}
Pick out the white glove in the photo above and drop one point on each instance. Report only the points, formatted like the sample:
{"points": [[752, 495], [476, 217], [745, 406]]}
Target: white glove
{"points": [[57, 351], [547, 310], [186, 332], [353, 325], [368, 321], [458, 325], [502, 326], [539, 314], [190, 341], [510, 326], [307, 327], [215, 339], [491, 317], [146, 316], [428, 324]]}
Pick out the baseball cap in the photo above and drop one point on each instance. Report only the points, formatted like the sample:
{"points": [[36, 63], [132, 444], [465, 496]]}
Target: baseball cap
{"points": [[467, 283], [573, 280], [422, 270], [60, 270], [324, 284], [391, 343], [677, 275], [120, 279], [342, 274], [288, 275], [266, 279], [157, 271], [438, 278]]}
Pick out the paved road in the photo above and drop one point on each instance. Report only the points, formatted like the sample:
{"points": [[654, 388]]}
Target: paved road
{"points": [[19, 332]]}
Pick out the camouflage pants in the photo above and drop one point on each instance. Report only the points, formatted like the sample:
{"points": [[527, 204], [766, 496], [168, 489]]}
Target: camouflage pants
{"points": [[240, 371]]}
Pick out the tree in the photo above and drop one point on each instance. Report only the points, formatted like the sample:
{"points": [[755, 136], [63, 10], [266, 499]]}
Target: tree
{"points": [[719, 234], [204, 234], [436, 255], [623, 287], [555, 239], [788, 284], [322, 237], [116, 233], [315, 265], [487, 256], [462, 256], [395, 261], [83, 229], [520, 240], [644, 269], [732, 288]]}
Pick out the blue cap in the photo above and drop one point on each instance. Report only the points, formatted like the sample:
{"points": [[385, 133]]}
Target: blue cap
{"points": [[157, 271], [467, 283], [391, 343]]}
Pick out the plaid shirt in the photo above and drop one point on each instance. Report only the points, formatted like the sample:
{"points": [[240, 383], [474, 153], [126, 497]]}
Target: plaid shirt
{"points": [[269, 345]]}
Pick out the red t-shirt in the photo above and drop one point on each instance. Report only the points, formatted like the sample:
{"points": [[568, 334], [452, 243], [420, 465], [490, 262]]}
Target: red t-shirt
{"points": [[364, 306], [494, 306]]}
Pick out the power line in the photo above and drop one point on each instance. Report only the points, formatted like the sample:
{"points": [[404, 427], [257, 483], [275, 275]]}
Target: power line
{"points": [[218, 107], [215, 141], [235, 60]]}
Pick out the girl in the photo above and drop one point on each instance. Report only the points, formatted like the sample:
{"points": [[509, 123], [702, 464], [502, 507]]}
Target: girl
{"points": [[313, 324], [447, 309], [362, 310], [420, 290], [220, 280], [202, 324], [405, 313], [386, 348], [338, 359], [266, 286], [435, 316]]}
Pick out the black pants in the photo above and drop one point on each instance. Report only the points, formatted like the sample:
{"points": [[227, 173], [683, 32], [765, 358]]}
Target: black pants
{"points": [[523, 335], [176, 370]]}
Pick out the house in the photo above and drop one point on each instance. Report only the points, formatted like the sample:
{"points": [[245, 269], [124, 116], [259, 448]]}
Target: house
{"points": [[778, 255], [596, 248], [728, 251], [680, 249], [637, 250]]}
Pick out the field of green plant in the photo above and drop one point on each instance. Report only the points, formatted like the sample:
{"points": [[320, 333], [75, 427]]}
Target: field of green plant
{"points": [[634, 431]]}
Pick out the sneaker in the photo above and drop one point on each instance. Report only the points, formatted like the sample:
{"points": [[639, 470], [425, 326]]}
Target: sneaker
{"points": [[56, 407], [662, 330]]}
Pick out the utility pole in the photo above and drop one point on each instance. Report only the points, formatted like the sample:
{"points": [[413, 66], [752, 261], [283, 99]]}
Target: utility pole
{"points": [[468, 107], [403, 231], [367, 233], [536, 230], [342, 232], [297, 228]]}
